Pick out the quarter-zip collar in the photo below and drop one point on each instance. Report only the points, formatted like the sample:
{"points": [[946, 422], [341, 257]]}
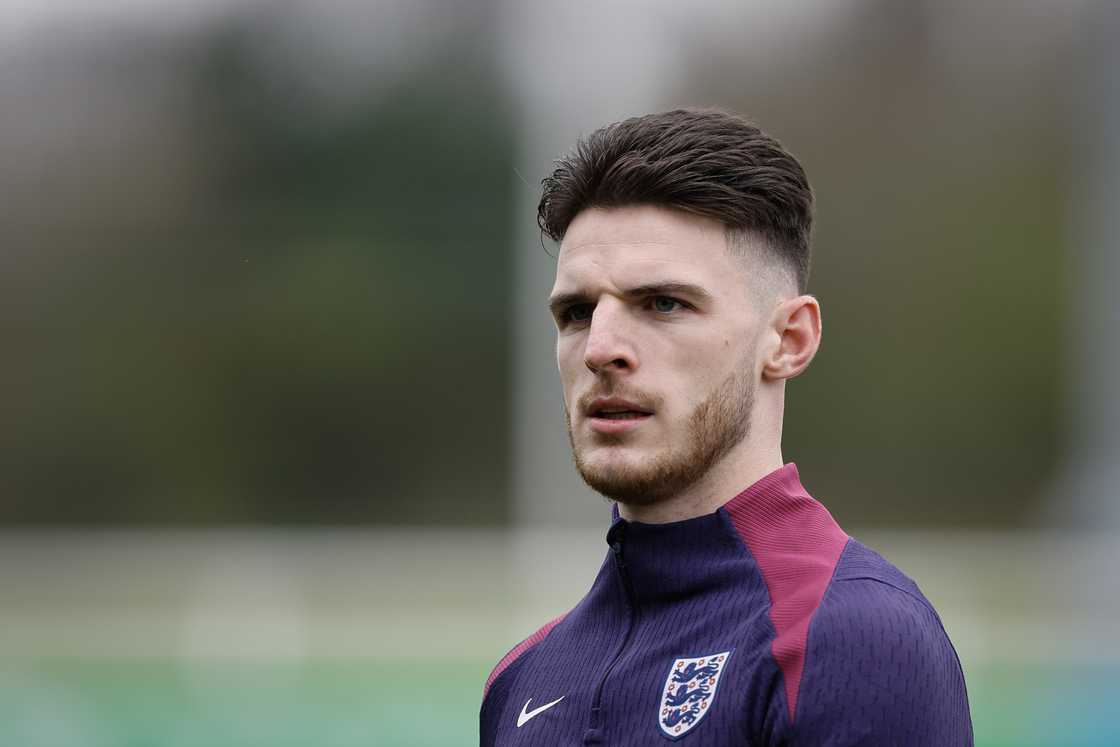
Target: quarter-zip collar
{"points": [[667, 561]]}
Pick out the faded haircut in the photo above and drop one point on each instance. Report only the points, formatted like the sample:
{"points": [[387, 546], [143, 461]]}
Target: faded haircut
{"points": [[707, 162]]}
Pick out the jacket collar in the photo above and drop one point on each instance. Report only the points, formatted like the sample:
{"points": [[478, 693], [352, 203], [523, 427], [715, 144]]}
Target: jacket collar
{"points": [[664, 561]]}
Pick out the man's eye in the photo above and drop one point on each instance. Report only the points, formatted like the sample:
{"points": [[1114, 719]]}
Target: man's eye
{"points": [[579, 312], [665, 304]]}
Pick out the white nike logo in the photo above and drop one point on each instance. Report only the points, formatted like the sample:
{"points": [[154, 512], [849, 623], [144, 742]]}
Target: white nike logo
{"points": [[526, 715]]}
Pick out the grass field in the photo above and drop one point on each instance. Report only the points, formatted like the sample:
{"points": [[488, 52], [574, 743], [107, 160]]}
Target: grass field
{"points": [[236, 639], [403, 704]]}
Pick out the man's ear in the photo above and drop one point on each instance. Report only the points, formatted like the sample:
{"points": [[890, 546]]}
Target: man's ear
{"points": [[797, 324]]}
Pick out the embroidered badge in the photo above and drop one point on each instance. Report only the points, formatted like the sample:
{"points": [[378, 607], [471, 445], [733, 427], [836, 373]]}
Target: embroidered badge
{"points": [[688, 692]]}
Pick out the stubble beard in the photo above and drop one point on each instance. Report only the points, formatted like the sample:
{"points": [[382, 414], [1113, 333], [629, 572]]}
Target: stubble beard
{"points": [[716, 426]]}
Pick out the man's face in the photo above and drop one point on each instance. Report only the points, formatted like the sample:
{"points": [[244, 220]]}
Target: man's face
{"points": [[656, 341]]}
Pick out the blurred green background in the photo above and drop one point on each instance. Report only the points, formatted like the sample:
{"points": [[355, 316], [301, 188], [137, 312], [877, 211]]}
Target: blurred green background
{"points": [[262, 329]]}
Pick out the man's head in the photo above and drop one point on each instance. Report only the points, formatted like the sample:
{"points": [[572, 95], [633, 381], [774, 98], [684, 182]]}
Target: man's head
{"points": [[684, 253]]}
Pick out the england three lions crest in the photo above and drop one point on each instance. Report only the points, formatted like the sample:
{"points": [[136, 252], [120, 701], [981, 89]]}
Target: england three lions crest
{"points": [[688, 692]]}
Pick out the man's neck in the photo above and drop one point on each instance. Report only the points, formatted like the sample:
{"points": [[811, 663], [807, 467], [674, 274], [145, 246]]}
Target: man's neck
{"points": [[721, 484]]}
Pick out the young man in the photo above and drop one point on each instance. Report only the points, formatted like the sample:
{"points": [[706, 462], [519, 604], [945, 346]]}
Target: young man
{"points": [[731, 609]]}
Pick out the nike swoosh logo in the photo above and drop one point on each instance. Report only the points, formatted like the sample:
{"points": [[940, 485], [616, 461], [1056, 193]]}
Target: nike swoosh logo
{"points": [[526, 715]]}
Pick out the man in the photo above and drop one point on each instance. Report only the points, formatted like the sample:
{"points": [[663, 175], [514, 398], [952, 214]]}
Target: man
{"points": [[731, 609]]}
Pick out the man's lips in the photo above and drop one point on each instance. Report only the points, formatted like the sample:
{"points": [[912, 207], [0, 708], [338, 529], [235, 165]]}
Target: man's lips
{"points": [[615, 415], [608, 406], [617, 424]]}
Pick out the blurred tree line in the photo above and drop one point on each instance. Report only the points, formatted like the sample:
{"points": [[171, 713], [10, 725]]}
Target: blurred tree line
{"points": [[240, 306], [227, 301]]}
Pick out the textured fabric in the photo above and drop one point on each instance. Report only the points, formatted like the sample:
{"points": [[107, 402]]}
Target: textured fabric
{"points": [[519, 649], [880, 668], [827, 643], [796, 544]]}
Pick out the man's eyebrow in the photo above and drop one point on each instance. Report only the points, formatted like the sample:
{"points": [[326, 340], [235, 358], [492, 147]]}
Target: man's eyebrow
{"points": [[666, 288], [669, 288]]}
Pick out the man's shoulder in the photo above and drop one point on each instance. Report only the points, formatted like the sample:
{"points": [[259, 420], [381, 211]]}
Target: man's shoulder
{"points": [[860, 567], [879, 664], [518, 651], [875, 620]]}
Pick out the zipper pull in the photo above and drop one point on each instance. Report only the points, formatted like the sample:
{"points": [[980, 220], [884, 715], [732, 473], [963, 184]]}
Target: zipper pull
{"points": [[619, 533]]}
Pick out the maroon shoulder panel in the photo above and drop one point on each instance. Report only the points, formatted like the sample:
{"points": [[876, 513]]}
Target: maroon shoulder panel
{"points": [[519, 649], [797, 544]]}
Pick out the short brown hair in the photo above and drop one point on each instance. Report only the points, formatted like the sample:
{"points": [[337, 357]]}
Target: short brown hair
{"points": [[707, 162]]}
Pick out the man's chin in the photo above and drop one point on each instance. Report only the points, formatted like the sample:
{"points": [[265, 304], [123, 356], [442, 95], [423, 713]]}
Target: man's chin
{"points": [[612, 462], [623, 480], [623, 489]]}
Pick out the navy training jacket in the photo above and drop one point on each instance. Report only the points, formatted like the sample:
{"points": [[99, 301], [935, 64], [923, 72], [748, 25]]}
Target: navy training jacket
{"points": [[761, 624]]}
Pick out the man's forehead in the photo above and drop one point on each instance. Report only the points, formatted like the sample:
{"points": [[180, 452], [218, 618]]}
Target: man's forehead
{"points": [[625, 268], [643, 236], [633, 265]]}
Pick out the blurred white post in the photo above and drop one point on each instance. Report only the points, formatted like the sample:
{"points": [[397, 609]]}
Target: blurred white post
{"points": [[1087, 492]]}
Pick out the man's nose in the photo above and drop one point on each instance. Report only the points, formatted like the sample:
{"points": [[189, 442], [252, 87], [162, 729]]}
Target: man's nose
{"points": [[609, 342]]}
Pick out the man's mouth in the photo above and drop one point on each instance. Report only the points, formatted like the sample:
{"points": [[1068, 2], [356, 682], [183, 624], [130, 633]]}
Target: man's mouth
{"points": [[615, 414], [619, 414]]}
